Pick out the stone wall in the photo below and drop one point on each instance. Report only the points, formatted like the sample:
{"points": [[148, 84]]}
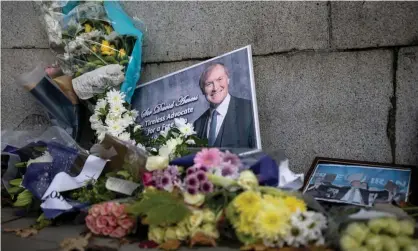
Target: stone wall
{"points": [[333, 79]]}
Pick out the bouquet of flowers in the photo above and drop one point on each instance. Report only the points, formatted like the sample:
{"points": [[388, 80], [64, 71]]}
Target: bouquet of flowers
{"points": [[96, 43]]}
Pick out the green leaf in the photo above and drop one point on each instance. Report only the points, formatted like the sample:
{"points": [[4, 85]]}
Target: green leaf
{"points": [[15, 182], [160, 207], [23, 199], [20, 164], [14, 190], [125, 174]]}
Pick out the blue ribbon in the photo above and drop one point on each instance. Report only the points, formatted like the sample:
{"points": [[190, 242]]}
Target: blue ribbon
{"points": [[265, 168]]}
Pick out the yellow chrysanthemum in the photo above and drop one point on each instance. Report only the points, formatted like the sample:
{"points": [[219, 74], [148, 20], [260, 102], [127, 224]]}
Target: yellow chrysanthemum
{"points": [[108, 29], [248, 203], [245, 226], [271, 201], [295, 204], [272, 223], [122, 53], [88, 28]]}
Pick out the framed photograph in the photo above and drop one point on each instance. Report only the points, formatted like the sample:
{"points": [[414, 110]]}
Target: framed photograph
{"points": [[359, 183], [217, 96]]}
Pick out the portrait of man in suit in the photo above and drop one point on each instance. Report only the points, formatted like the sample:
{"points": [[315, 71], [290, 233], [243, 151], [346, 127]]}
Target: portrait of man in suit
{"points": [[229, 121]]}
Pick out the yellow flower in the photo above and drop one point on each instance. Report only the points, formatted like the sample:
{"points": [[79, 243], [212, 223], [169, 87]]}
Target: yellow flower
{"points": [[88, 28], [248, 203], [94, 48], [122, 53], [272, 223], [108, 29], [295, 204], [246, 226], [270, 201], [107, 48]]}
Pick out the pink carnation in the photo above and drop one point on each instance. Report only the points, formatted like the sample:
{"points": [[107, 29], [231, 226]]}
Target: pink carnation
{"points": [[101, 222], [119, 232], [208, 157], [126, 223], [95, 210], [119, 211]]}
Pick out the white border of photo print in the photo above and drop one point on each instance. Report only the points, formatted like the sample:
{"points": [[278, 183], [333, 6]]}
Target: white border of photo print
{"points": [[218, 96]]}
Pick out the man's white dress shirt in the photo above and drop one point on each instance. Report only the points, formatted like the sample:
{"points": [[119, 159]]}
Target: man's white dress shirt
{"points": [[222, 109]]}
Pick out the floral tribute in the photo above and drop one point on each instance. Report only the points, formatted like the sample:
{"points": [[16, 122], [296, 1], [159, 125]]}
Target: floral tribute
{"points": [[110, 219]]}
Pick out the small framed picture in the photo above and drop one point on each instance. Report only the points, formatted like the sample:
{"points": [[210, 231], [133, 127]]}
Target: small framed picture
{"points": [[359, 183]]}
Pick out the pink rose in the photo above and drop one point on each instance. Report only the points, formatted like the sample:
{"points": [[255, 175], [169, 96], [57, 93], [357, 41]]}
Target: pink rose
{"points": [[126, 223], [119, 232], [95, 210], [93, 227], [111, 220], [101, 222], [106, 208], [95, 230], [119, 211], [89, 219], [147, 179], [107, 230]]}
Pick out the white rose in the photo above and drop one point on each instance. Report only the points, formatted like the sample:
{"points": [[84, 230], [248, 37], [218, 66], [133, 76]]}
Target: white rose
{"points": [[156, 163]]}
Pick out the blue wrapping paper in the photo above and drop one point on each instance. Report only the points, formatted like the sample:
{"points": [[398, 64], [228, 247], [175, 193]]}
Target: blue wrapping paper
{"points": [[265, 168]]}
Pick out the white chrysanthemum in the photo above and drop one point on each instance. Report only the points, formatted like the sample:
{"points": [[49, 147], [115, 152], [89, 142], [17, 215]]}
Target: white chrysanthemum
{"points": [[190, 142], [94, 119], [127, 119], [133, 113], [179, 122], [273, 243], [115, 97], [115, 128], [137, 127], [125, 136], [164, 132], [296, 237], [187, 129], [179, 141], [117, 109], [101, 104]]}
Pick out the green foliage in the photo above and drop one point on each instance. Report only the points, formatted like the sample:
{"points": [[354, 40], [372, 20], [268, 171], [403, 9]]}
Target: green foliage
{"points": [[15, 182], [23, 199], [219, 200], [21, 165], [160, 207], [93, 192]]}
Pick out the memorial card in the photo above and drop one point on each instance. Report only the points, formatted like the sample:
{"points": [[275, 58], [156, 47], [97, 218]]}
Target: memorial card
{"points": [[217, 96]]}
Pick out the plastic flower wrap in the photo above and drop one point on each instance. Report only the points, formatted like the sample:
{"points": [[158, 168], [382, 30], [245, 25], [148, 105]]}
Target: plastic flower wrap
{"points": [[387, 228], [110, 219], [96, 43]]}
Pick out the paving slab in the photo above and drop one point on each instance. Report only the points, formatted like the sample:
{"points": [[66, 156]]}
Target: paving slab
{"points": [[325, 104], [59, 233], [10, 242], [19, 108], [21, 25], [183, 30], [8, 214], [407, 106], [359, 24], [24, 222]]}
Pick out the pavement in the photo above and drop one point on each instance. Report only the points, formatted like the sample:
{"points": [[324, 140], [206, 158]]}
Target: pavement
{"points": [[49, 238]]}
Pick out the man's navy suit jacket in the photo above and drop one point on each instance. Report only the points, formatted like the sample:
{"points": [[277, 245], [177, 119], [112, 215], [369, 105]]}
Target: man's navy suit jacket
{"points": [[237, 129]]}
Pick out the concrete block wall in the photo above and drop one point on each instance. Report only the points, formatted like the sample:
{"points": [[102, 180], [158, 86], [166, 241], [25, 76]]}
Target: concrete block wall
{"points": [[333, 79]]}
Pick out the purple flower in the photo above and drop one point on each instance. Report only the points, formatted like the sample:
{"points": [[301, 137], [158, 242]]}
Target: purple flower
{"points": [[228, 170], [203, 168], [166, 180], [192, 190], [191, 170], [206, 187], [232, 158], [201, 176], [192, 181], [172, 170]]}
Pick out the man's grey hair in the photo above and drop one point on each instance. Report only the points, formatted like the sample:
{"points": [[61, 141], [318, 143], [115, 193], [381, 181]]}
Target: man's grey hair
{"points": [[204, 76]]}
